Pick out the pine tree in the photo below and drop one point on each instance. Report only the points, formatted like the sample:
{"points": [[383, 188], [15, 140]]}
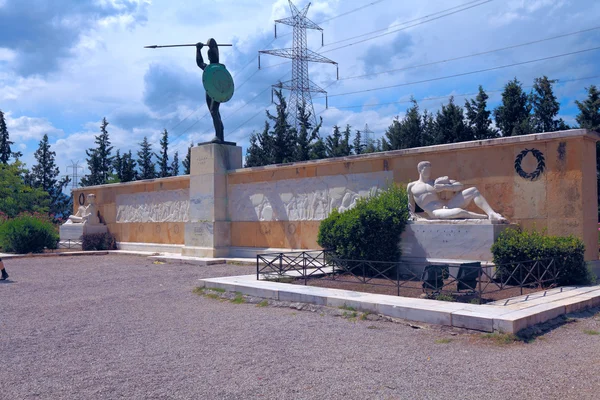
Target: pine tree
{"points": [[100, 162], [513, 115], [147, 170], [5, 151], [478, 117], [44, 175], [450, 126], [345, 146], [545, 106], [283, 136], [163, 157], [392, 139], [589, 110], [357, 144], [175, 164], [186, 160]]}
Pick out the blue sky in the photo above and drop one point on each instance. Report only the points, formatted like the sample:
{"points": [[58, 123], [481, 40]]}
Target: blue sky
{"points": [[66, 64]]}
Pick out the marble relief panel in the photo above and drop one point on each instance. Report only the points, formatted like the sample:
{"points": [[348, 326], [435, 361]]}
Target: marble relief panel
{"points": [[161, 206], [307, 199]]}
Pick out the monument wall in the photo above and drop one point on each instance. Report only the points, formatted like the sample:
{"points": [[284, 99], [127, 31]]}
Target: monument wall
{"points": [[151, 211], [542, 181]]}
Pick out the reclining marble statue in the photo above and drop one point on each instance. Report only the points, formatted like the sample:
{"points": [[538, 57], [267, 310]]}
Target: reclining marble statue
{"points": [[85, 214], [424, 193], [84, 221]]}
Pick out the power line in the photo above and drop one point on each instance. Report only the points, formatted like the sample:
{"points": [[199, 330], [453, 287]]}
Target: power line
{"points": [[401, 29], [399, 24], [465, 73], [472, 55], [453, 95]]}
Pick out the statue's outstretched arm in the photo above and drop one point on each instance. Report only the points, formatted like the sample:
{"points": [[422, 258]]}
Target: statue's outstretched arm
{"points": [[199, 59]]}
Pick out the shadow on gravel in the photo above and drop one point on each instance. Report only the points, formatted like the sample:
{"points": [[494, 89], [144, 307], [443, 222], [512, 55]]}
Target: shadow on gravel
{"points": [[530, 334]]}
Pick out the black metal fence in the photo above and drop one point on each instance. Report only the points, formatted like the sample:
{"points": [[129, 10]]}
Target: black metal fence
{"points": [[467, 278]]}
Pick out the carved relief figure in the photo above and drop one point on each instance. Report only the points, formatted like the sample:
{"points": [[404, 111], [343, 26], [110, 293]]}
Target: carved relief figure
{"points": [[424, 193]]}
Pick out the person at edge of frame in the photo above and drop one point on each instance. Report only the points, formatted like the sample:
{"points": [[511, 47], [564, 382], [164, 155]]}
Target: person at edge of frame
{"points": [[4, 273]]}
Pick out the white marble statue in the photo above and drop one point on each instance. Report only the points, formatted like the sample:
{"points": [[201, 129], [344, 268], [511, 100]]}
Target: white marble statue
{"points": [[424, 193], [86, 214]]}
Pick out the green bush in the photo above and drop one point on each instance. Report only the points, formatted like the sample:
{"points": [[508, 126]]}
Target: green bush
{"points": [[99, 241], [371, 230], [515, 245], [27, 234]]}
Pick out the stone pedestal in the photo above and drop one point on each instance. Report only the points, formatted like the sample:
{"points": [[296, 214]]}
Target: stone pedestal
{"points": [[451, 240], [71, 235], [207, 234]]}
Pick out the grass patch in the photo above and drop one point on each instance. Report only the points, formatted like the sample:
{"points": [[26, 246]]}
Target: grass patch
{"points": [[363, 316], [238, 299], [217, 289], [501, 338], [347, 308], [350, 315], [591, 332], [445, 297], [263, 303], [213, 296], [280, 279], [198, 290], [443, 341]]}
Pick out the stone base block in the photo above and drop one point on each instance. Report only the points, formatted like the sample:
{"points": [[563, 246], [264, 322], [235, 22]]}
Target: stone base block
{"points": [[76, 231], [205, 252], [466, 241]]}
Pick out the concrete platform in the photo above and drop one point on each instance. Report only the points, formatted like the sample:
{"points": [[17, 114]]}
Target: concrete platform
{"points": [[516, 315]]}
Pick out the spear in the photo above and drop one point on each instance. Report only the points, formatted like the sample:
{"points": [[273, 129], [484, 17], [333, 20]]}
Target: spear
{"points": [[179, 45]]}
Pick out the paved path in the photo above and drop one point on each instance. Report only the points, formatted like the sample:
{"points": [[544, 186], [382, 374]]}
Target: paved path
{"points": [[106, 327]]}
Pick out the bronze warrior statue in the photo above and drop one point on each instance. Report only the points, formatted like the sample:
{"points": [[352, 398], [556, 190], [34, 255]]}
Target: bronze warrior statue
{"points": [[213, 105]]}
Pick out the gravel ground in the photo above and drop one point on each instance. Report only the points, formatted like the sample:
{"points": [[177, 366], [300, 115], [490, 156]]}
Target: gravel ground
{"points": [[106, 327]]}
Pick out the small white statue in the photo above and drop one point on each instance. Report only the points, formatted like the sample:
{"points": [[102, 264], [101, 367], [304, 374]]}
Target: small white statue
{"points": [[86, 214], [424, 193]]}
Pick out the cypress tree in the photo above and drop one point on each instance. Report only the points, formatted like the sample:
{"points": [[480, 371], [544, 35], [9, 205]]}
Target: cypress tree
{"points": [[357, 143], [479, 117], [318, 150], [44, 175], [100, 162], [5, 151], [186, 160], [163, 157], [545, 106], [283, 136], [513, 115], [306, 135], [589, 110], [145, 163], [333, 143], [450, 126], [128, 172], [175, 165]]}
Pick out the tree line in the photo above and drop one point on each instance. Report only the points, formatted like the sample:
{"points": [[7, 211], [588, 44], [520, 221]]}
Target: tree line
{"points": [[519, 113], [106, 168], [37, 190]]}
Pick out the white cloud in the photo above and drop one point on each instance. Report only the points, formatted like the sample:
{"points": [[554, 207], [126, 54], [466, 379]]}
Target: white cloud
{"points": [[105, 76], [27, 128]]}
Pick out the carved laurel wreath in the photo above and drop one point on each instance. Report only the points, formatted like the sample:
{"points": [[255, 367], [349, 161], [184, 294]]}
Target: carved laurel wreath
{"points": [[532, 176]]}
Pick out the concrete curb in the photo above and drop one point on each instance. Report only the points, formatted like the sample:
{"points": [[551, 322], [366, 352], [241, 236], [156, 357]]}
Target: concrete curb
{"points": [[487, 318]]}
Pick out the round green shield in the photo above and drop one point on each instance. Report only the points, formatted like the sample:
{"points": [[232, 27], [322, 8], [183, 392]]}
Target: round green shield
{"points": [[218, 82]]}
